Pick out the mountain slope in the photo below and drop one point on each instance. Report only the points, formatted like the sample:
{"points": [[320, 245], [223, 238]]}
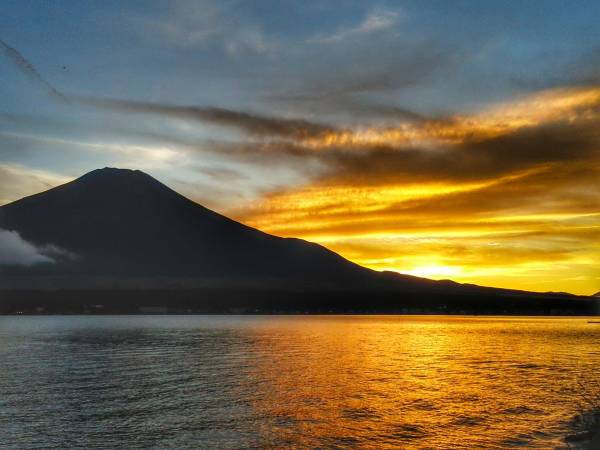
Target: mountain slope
{"points": [[125, 223], [121, 238]]}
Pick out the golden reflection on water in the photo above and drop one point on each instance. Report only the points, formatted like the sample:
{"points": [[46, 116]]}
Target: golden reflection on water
{"points": [[293, 382], [419, 382]]}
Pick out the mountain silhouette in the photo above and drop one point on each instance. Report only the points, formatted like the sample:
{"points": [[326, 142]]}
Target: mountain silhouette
{"points": [[124, 222], [116, 228]]}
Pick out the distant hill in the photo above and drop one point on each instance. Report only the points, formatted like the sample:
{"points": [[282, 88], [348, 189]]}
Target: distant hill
{"points": [[113, 233]]}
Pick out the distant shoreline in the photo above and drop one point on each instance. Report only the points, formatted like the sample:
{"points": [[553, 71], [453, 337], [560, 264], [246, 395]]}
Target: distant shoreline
{"points": [[281, 301], [298, 314]]}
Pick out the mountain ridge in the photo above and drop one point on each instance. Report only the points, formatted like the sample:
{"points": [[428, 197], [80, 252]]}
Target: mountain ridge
{"points": [[125, 222], [121, 229]]}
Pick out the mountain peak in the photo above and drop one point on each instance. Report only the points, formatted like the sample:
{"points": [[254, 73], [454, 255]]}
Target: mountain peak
{"points": [[113, 173], [125, 181], [123, 222], [126, 227]]}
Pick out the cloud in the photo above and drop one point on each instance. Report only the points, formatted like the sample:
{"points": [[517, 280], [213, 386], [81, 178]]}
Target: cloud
{"points": [[553, 126], [371, 62], [376, 20], [250, 123], [28, 69], [521, 230], [458, 149], [254, 124], [15, 251], [223, 174], [330, 208], [192, 24], [506, 196], [17, 181], [363, 70], [496, 156]]}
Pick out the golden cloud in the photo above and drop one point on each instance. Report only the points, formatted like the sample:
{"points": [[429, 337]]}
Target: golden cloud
{"points": [[507, 197]]}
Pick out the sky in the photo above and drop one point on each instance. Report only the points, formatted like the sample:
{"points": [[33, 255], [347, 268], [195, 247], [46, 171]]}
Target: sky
{"points": [[450, 140]]}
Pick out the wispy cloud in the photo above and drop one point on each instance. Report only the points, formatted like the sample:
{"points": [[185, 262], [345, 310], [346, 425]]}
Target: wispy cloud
{"points": [[254, 124], [376, 20], [522, 175], [202, 23], [18, 181], [15, 251], [248, 122], [28, 69]]}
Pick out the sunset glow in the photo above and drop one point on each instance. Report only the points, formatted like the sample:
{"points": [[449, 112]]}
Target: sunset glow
{"points": [[300, 224], [510, 227], [401, 145], [560, 105]]}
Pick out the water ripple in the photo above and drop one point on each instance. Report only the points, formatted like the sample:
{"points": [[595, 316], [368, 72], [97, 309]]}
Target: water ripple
{"points": [[292, 382]]}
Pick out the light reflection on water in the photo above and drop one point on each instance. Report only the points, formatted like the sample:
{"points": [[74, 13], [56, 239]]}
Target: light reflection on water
{"points": [[304, 382]]}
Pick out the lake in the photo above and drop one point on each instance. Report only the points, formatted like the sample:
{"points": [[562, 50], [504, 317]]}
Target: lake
{"points": [[293, 381]]}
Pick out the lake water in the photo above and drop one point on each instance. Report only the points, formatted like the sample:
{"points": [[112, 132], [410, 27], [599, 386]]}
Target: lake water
{"points": [[293, 381]]}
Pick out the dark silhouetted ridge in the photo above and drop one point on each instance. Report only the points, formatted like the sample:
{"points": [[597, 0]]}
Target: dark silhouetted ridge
{"points": [[124, 222], [121, 238]]}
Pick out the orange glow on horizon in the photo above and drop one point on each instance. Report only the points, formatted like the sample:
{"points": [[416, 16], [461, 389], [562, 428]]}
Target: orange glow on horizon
{"points": [[536, 229]]}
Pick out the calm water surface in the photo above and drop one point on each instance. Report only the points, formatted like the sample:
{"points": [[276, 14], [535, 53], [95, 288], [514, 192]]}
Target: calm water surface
{"points": [[292, 382]]}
